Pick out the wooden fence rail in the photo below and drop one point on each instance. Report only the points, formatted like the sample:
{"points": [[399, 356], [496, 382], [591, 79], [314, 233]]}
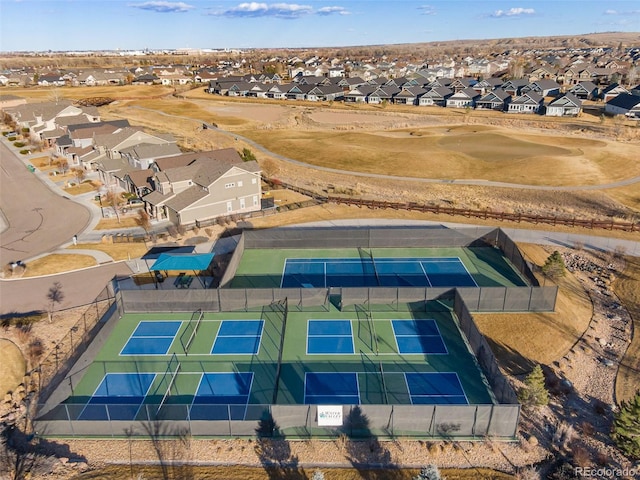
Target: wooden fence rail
{"points": [[466, 212]]}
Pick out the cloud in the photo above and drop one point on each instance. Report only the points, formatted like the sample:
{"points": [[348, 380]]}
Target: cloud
{"points": [[256, 9], [513, 12], [619, 12], [332, 10], [163, 7], [427, 9]]}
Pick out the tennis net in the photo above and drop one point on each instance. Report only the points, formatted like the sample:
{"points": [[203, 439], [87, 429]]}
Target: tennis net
{"points": [[282, 309], [191, 330], [168, 380], [368, 263]]}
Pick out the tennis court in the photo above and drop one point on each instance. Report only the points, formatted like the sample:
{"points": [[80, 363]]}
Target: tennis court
{"points": [[213, 366], [377, 267], [381, 272]]}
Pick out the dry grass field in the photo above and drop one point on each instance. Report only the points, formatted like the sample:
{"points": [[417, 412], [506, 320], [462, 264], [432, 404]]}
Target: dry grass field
{"points": [[519, 341], [58, 263], [413, 142], [117, 251], [12, 366], [266, 473], [41, 94], [627, 288]]}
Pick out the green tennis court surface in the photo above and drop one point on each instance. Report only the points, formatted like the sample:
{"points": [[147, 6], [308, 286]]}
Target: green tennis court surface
{"points": [[378, 267], [154, 364]]}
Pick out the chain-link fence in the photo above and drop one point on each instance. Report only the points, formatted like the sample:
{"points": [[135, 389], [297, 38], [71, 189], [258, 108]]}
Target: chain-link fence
{"points": [[291, 421]]}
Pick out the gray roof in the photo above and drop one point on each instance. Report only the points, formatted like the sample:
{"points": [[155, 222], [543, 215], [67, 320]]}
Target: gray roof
{"points": [[186, 198], [152, 150]]}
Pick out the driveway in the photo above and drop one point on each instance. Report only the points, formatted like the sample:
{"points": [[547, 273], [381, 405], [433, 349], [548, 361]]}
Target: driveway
{"points": [[36, 219]]}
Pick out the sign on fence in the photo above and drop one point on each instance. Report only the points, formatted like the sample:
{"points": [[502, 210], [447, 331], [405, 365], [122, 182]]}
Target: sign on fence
{"points": [[329, 415]]}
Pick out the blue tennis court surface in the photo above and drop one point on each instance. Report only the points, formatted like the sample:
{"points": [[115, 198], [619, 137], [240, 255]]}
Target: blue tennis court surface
{"points": [[238, 337], [331, 389], [418, 336], [382, 272], [222, 396], [433, 388], [329, 337], [122, 392], [151, 338]]}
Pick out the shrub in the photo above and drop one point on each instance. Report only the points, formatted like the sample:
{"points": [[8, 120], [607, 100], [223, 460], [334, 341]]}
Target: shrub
{"points": [[626, 427], [554, 266], [25, 152], [35, 351], [19, 144], [12, 139], [563, 436], [534, 392], [581, 456], [429, 472]]}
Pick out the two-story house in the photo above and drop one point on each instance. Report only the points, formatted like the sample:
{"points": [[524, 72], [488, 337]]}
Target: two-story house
{"points": [[213, 184]]}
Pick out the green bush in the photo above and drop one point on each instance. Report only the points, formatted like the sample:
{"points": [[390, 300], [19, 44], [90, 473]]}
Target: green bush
{"points": [[25, 152], [18, 144], [12, 139]]}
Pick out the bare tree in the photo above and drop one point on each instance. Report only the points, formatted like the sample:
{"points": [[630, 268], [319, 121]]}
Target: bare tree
{"points": [[55, 295], [79, 173], [115, 200], [144, 220]]}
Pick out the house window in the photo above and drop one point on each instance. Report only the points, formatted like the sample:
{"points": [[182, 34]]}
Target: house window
{"points": [[229, 207], [229, 185], [239, 183], [255, 200], [242, 204], [254, 181]]}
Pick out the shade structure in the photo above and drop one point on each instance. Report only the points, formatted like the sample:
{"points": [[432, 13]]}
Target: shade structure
{"points": [[183, 261]]}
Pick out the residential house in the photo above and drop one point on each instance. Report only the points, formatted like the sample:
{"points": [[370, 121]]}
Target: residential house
{"points": [[514, 87], [209, 186], [612, 91], [407, 95], [51, 80], [585, 90], [142, 155], [568, 105], [383, 93], [113, 165], [488, 84], [437, 96], [42, 119], [624, 104], [496, 99], [460, 84], [531, 102], [359, 94], [463, 99], [544, 87]]}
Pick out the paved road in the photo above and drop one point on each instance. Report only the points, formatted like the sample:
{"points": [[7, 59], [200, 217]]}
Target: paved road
{"points": [[79, 288], [36, 219], [475, 182]]}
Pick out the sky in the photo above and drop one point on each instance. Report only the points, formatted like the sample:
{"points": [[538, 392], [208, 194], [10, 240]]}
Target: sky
{"points": [[43, 25]]}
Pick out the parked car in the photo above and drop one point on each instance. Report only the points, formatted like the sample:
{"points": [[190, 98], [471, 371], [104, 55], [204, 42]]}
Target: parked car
{"points": [[133, 203]]}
